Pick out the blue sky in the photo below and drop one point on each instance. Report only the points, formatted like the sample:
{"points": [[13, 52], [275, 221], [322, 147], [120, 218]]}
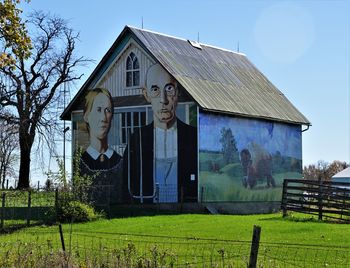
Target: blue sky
{"points": [[302, 47]]}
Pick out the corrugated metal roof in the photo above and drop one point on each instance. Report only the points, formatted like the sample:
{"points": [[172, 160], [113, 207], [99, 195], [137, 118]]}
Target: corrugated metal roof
{"points": [[342, 174], [220, 80]]}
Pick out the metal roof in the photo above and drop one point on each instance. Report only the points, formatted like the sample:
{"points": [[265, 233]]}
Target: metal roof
{"points": [[342, 174], [220, 80]]}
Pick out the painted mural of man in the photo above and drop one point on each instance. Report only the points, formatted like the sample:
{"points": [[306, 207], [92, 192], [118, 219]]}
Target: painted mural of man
{"points": [[162, 164], [99, 160]]}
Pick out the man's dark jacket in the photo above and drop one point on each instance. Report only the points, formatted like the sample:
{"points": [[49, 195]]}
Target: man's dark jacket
{"points": [[187, 162]]}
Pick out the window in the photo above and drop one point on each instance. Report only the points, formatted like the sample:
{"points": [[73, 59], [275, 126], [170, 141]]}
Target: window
{"points": [[132, 71], [130, 122]]}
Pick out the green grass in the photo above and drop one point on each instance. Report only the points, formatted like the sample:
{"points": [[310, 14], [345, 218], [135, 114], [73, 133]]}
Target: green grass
{"points": [[233, 227], [100, 236]]}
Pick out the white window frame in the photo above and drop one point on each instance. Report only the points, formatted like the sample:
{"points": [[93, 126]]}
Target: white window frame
{"points": [[133, 70]]}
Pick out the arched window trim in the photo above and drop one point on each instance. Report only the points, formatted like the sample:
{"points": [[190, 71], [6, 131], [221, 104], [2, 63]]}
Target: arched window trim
{"points": [[132, 71]]}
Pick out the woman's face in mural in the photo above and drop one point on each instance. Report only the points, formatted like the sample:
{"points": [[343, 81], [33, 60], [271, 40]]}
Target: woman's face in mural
{"points": [[100, 116], [162, 93]]}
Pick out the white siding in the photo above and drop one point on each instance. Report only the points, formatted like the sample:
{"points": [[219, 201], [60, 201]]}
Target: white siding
{"points": [[114, 79]]}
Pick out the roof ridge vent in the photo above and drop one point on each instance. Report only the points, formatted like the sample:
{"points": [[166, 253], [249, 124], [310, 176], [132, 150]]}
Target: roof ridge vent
{"points": [[195, 44]]}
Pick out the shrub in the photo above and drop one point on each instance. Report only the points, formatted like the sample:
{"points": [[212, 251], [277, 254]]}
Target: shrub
{"points": [[75, 211]]}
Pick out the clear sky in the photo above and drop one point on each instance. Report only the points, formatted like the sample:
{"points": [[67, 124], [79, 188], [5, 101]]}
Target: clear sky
{"points": [[302, 47]]}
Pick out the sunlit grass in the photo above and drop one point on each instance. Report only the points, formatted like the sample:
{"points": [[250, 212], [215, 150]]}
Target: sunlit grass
{"points": [[183, 238]]}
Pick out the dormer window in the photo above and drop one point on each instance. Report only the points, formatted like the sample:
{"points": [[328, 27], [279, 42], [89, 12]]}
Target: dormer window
{"points": [[132, 71]]}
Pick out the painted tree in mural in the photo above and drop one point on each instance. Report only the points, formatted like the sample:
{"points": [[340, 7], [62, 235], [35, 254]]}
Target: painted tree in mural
{"points": [[30, 86], [229, 146]]}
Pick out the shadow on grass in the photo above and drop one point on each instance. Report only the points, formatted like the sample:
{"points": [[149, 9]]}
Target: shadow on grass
{"points": [[17, 227], [298, 217]]}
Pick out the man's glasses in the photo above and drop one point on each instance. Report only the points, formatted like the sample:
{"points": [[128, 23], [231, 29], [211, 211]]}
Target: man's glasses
{"points": [[169, 91]]}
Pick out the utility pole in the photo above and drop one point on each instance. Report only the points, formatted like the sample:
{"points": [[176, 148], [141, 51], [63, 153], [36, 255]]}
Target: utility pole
{"points": [[65, 129]]}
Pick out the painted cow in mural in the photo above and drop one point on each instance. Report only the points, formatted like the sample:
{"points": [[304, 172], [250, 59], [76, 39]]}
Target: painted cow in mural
{"points": [[259, 168]]}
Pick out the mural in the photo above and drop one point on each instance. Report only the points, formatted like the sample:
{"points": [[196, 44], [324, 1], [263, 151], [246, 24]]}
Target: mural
{"points": [[142, 154], [246, 159], [99, 162], [160, 161]]}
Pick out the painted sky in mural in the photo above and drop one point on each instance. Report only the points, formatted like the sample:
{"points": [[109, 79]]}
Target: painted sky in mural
{"points": [[272, 136]]}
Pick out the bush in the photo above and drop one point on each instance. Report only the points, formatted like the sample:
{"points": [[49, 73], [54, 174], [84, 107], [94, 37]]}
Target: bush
{"points": [[75, 211]]}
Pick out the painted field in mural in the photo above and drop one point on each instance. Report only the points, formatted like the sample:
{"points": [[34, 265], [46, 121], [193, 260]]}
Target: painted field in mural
{"points": [[245, 159]]}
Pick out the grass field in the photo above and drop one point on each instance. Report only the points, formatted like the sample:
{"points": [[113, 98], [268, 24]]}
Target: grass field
{"points": [[191, 241]]}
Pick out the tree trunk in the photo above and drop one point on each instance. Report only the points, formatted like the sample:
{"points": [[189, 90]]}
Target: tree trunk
{"points": [[1, 172], [3, 177], [24, 168]]}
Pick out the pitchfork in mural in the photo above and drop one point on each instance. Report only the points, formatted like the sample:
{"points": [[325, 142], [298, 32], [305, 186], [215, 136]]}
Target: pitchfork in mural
{"points": [[161, 158]]}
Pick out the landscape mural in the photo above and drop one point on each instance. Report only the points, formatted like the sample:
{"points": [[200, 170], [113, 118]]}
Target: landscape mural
{"points": [[246, 159]]}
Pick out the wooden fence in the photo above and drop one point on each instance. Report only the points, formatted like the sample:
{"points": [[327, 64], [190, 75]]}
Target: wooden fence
{"points": [[326, 199], [26, 205], [23, 207]]}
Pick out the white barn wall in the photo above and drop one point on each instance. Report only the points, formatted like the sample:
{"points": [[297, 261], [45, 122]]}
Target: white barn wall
{"points": [[114, 79]]}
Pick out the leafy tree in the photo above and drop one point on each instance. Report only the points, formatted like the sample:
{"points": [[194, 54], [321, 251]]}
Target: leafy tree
{"points": [[31, 91], [229, 147], [13, 33], [8, 147], [323, 170]]}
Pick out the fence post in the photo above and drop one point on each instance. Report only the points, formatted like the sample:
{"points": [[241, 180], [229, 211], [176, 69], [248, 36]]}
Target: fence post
{"points": [[254, 247], [56, 203], [29, 207], [284, 197], [62, 238], [320, 199], [202, 194], [3, 198], [157, 196], [181, 198]]}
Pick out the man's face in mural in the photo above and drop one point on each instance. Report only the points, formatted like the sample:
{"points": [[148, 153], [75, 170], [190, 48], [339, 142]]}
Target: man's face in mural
{"points": [[162, 93], [100, 116]]}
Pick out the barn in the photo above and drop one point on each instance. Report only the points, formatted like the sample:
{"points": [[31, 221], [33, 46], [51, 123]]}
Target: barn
{"points": [[173, 122], [342, 176]]}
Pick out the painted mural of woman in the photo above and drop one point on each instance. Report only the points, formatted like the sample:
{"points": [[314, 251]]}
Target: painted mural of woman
{"points": [[100, 161]]}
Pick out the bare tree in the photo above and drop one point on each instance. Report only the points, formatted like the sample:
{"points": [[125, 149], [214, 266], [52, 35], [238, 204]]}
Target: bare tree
{"points": [[8, 148], [323, 170], [32, 85]]}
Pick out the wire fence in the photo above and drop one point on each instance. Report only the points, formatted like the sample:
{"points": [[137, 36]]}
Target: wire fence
{"points": [[50, 248], [47, 247], [303, 255], [21, 208]]}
